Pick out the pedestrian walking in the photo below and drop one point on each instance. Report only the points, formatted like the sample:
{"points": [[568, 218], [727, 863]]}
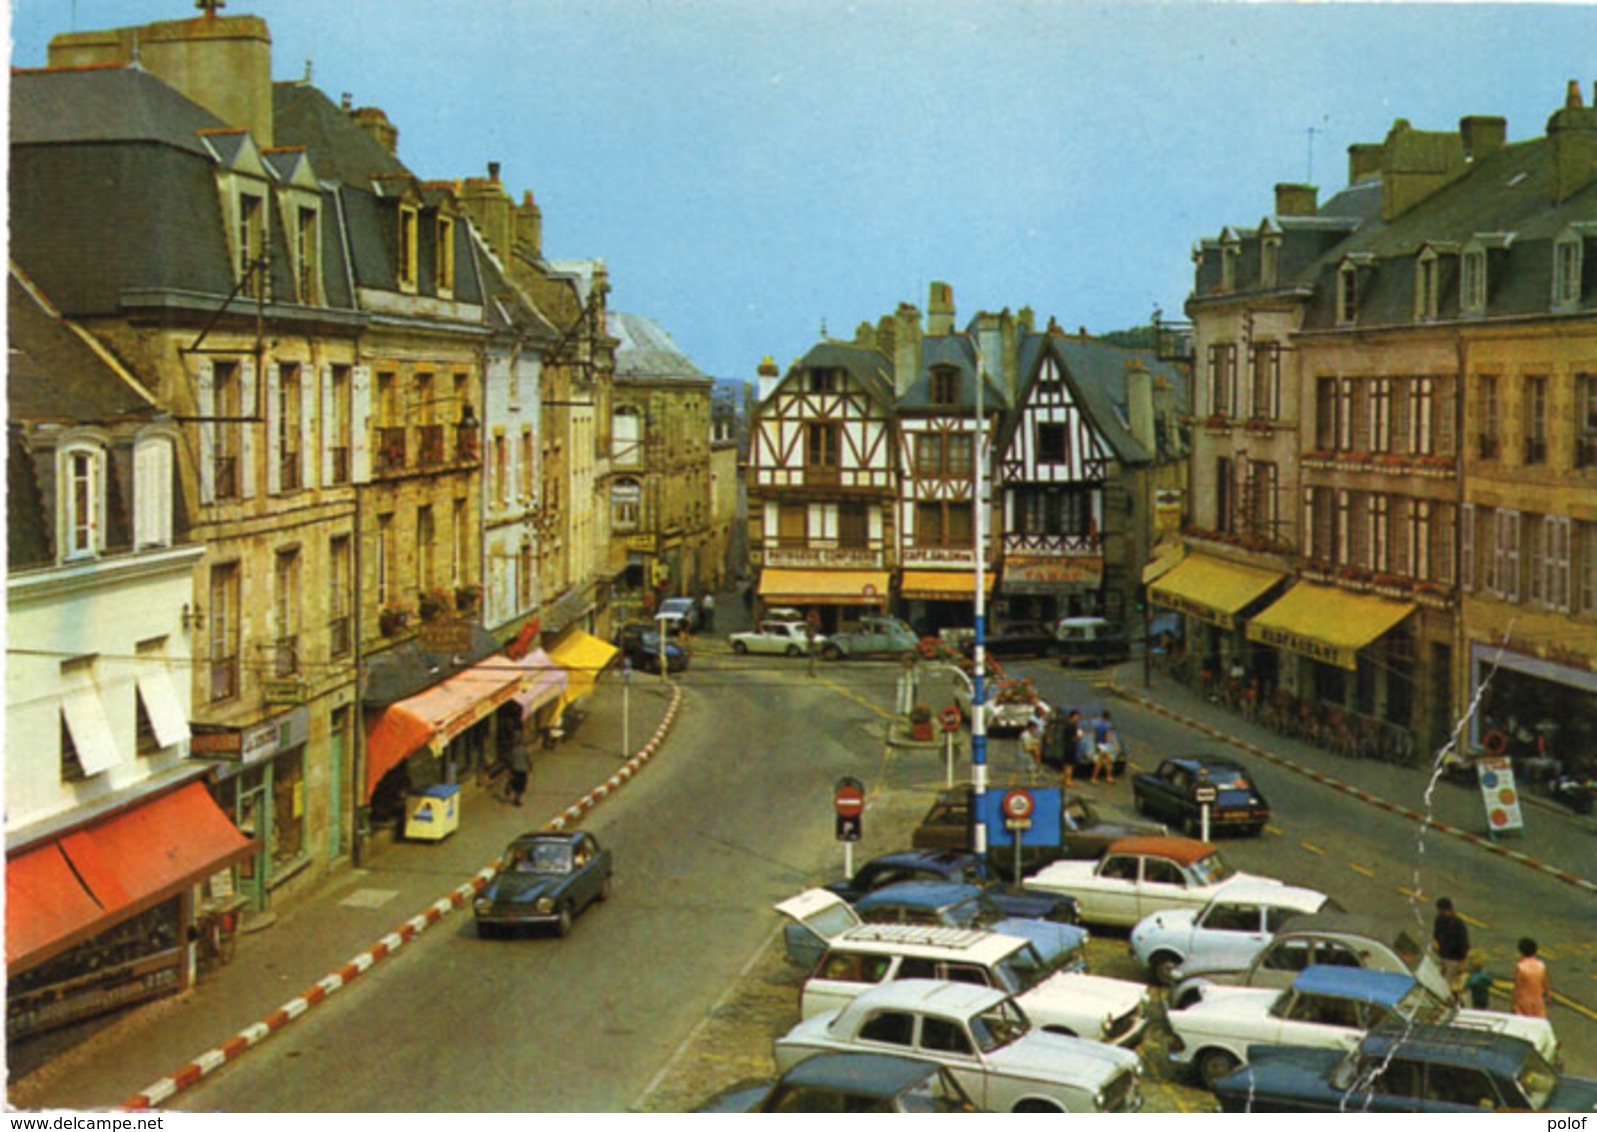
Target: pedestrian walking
{"points": [[519, 760], [1478, 981], [1533, 990], [1069, 735], [1450, 940], [1031, 746], [1085, 754], [707, 606], [1106, 746]]}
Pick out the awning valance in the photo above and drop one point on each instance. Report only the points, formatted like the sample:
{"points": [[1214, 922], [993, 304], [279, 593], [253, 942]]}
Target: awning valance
{"points": [[584, 657], [1212, 589], [434, 717], [1165, 558], [942, 585], [542, 680], [1325, 623], [68, 891], [826, 587]]}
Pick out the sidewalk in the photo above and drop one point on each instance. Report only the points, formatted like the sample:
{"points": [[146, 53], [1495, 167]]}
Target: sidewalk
{"points": [[1554, 841], [327, 938]]}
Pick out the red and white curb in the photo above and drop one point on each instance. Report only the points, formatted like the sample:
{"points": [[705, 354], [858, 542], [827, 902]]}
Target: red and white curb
{"points": [[1364, 795], [153, 1096]]}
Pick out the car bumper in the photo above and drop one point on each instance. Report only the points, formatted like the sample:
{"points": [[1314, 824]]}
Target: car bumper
{"points": [[508, 918]]}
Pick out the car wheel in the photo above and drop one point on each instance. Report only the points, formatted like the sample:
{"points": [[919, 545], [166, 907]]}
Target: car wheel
{"points": [[832, 652], [563, 923], [1035, 1106], [1214, 1064], [1163, 968], [740, 648], [794, 650]]}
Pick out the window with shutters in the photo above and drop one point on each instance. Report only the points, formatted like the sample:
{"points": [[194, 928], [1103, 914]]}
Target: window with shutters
{"points": [[229, 408], [81, 472], [1584, 568], [1486, 417], [426, 549], [308, 256], [853, 525], [1380, 414], [340, 596], [1586, 420], [225, 632], [338, 470], [1266, 381], [1223, 379], [286, 604], [287, 426], [1555, 556], [1506, 556], [153, 462], [1468, 532]]}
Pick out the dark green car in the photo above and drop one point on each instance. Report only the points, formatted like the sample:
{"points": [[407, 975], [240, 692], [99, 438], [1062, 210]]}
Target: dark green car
{"points": [[544, 879]]}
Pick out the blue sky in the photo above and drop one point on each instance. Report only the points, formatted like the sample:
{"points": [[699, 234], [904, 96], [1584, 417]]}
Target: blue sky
{"points": [[752, 169]]}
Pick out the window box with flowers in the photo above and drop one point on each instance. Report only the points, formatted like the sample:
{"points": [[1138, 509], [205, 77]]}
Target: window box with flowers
{"points": [[1437, 467], [434, 603], [1218, 421], [392, 619], [467, 598], [1260, 425]]}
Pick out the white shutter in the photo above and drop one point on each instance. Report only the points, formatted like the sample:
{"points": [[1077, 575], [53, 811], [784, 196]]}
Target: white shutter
{"points": [[246, 430], [152, 494], [360, 413], [307, 426], [329, 425], [274, 440], [205, 397]]}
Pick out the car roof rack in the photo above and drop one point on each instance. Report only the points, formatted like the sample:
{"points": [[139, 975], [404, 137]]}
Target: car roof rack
{"points": [[920, 935]]}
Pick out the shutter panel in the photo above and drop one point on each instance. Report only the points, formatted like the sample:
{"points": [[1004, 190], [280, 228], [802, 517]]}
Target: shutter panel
{"points": [[274, 428], [360, 424], [249, 407], [329, 424], [205, 396], [309, 376]]}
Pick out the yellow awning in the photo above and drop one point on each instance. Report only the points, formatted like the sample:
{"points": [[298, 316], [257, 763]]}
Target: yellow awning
{"points": [[1165, 557], [943, 585], [583, 656], [1212, 589], [1325, 623], [825, 587]]}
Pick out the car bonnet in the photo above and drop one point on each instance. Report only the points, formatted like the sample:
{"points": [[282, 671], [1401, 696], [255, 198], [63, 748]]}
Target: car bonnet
{"points": [[1055, 1057]]}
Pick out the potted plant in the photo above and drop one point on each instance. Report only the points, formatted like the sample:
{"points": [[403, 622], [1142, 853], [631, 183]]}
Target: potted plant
{"points": [[920, 723], [392, 619], [467, 597], [432, 604]]}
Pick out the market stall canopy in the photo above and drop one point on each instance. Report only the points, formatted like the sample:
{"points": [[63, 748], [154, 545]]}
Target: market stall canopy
{"points": [[943, 585], [69, 890], [434, 717], [1327, 624], [584, 657], [825, 587], [542, 680], [1212, 589]]}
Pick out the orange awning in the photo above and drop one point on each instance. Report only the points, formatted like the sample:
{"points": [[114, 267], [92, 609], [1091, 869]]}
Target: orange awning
{"points": [[434, 717], [71, 890], [943, 585]]}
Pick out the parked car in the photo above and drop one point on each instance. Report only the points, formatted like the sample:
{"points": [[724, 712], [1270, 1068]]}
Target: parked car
{"points": [[1090, 640], [680, 611], [966, 868], [1228, 932], [1010, 704], [639, 642], [1018, 639], [1328, 1007], [1057, 747], [1176, 790], [1139, 876], [1084, 831], [849, 1083], [544, 878], [1406, 1069], [779, 638], [1003, 1062], [1049, 981], [1326, 939], [872, 636]]}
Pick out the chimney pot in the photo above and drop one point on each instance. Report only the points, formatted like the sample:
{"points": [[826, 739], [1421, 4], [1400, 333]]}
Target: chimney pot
{"points": [[347, 102], [1572, 101], [493, 171]]}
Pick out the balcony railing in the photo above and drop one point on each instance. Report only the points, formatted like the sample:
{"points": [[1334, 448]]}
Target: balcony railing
{"points": [[226, 477], [430, 453], [285, 656], [338, 635], [391, 449], [224, 678]]}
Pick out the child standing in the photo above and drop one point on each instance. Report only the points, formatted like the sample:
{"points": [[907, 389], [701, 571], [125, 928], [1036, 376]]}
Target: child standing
{"points": [[1477, 981]]}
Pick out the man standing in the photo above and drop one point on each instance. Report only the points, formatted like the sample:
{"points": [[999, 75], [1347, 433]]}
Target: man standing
{"points": [[1069, 739], [1106, 745], [707, 606], [1450, 939], [520, 762]]}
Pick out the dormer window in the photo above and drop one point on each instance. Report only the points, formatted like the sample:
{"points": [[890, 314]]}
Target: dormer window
{"points": [[1270, 262], [1230, 253], [446, 256], [945, 386], [1567, 266], [251, 244], [1348, 287], [308, 255], [1427, 286], [824, 381], [1472, 285], [81, 472], [405, 250]]}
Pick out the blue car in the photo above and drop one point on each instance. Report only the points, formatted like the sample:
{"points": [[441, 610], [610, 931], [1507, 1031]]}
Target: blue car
{"points": [[850, 1082], [959, 868], [1406, 1068], [544, 879]]}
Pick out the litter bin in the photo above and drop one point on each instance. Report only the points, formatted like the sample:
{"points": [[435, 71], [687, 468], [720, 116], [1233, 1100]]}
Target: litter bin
{"points": [[433, 812]]}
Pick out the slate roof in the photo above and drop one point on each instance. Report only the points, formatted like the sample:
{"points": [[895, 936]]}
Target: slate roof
{"points": [[870, 368], [104, 104], [645, 352], [340, 150], [959, 351]]}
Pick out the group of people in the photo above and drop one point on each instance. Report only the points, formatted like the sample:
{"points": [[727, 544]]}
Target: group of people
{"points": [[1465, 967], [1068, 744]]}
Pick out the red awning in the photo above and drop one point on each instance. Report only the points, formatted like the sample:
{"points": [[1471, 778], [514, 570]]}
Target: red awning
{"points": [[71, 890], [434, 717]]}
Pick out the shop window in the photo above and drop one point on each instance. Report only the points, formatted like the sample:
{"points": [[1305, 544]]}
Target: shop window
{"points": [[288, 810]]}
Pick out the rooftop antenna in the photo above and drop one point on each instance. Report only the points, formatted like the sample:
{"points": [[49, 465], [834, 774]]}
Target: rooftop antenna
{"points": [[209, 7]]}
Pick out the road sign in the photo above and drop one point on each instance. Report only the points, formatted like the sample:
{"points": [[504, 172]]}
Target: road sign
{"points": [[849, 827], [1018, 805], [1501, 797], [1205, 795], [848, 797]]}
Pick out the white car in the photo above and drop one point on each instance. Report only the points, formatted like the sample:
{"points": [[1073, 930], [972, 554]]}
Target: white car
{"points": [[1049, 981], [1324, 1008], [1138, 876], [1227, 932], [778, 638], [995, 1053], [1010, 704]]}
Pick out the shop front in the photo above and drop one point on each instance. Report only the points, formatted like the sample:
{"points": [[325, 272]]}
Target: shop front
{"points": [[1212, 595], [1048, 587], [837, 597], [1540, 711], [934, 600], [98, 916]]}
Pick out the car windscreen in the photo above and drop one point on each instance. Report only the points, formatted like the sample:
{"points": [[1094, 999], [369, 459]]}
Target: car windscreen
{"points": [[998, 1026], [1022, 969], [1227, 778], [1211, 869], [544, 859]]}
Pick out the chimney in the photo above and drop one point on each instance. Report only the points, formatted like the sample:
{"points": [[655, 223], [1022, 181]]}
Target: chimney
{"points": [[492, 211], [1364, 162], [1139, 403], [1416, 163], [1027, 321], [990, 341], [1483, 135], [224, 63], [940, 310], [767, 377], [1572, 143], [1296, 200], [865, 336], [378, 127], [529, 226], [906, 347], [885, 335]]}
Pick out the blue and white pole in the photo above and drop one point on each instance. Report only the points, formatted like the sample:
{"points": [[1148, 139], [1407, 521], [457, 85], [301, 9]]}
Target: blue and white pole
{"points": [[978, 723]]}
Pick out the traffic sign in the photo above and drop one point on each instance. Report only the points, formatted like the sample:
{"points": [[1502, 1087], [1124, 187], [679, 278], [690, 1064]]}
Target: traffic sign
{"points": [[1018, 805], [849, 827], [848, 797], [1204, 795]]}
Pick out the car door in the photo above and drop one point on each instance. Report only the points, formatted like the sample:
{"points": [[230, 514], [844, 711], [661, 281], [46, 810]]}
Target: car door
{"points": [[1165, 884], [1112, 895], [1321, 1021], [1164, 792], [948, 1042], [1227, 935], [817, 918]]}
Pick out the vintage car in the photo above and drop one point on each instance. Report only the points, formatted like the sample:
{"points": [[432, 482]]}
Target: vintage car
{"points": [[680, 613], [1328, 1007], [1328, 938], [1003, 1061], [849, 1083], [1011, 703], [1048, 978], [965, 868], [639, 642], [871, 636], [1228, 932], [1402, 1068], [1084, 831], [1139, 876], [1090, 640], [1017, 639], [1177, 790], [544, 878], [777, 638]]}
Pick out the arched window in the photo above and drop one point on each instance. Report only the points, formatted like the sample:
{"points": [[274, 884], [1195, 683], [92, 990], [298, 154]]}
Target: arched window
{"points": [[80, 474]]}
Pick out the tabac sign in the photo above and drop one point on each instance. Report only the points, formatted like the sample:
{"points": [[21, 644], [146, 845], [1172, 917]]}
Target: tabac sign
{"points": [[1039, 575]]}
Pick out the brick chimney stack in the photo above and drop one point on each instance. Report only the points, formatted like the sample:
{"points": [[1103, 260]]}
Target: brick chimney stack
{"points": [[1572, 140], [906, 346], [492, 211], [377, 127], [1296, 200], [940, 310], [529, 226]]}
